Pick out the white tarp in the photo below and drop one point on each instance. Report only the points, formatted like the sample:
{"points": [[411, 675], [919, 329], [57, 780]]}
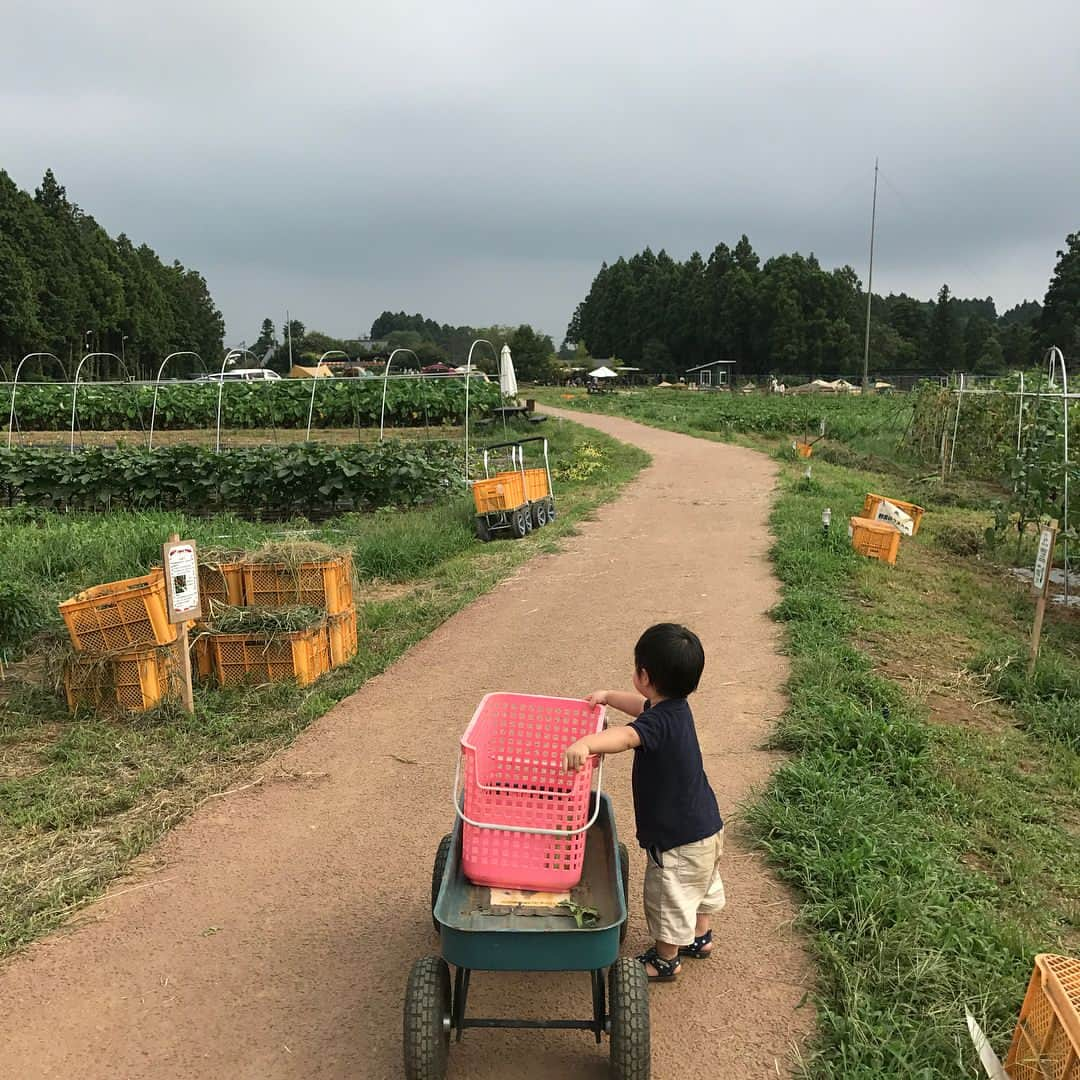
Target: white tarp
{"points": [[603, 373], [507, 378]]}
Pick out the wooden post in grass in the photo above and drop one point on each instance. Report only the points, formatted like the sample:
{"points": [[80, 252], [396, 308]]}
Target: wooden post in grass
{"points": [[181, 563], [1044, 562]]}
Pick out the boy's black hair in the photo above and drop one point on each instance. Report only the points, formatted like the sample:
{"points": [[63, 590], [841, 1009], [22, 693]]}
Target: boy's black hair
{"points": [[673, 657]]}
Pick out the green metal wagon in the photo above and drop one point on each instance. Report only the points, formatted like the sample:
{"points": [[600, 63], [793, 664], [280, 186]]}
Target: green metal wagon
{"points": [[473, 938]]}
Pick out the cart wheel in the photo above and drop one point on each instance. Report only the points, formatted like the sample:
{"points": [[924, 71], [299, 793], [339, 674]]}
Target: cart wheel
{"points": [[539, 515], [551, 509], [629, 994], [519, 523], [483, 530], [441, 856], [624, 873], [427, 1019]]}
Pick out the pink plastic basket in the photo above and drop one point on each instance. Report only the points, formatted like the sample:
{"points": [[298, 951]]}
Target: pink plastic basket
{"points": [[524, 819]]}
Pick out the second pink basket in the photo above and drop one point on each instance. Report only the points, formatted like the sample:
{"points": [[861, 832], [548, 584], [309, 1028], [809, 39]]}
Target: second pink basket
{"points": [[524, 819]]}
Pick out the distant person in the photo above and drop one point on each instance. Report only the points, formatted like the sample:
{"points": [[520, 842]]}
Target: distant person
{"points": [[678, 821]]}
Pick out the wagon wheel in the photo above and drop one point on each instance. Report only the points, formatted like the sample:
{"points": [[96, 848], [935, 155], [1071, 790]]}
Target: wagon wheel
{"points": [[539, 514], [629, 993], [519, 523], [483, 530], [426, 1039], [527, 514], [624, 873], [551, 509], [441, 856]]}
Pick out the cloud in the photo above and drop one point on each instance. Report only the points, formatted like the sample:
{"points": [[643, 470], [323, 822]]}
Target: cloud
{"points": [[477, 161]]}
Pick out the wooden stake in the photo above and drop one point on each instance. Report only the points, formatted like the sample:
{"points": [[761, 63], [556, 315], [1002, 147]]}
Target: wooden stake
{"points": [[1040, 603]]}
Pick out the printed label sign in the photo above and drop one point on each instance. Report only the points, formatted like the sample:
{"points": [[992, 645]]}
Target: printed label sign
{"points": [[1042, 560], [182, 581], [896, 517]]}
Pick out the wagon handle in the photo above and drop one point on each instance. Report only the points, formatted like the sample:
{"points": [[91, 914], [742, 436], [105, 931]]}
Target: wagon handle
{"points": [[517, 828]]}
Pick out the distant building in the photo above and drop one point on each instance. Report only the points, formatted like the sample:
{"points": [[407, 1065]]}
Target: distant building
{"points": [[368, 345], [713, 375]]}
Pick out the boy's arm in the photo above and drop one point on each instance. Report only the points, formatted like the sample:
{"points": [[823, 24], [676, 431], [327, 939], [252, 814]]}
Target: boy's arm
{"points": [[626, 702], [613, 741]]}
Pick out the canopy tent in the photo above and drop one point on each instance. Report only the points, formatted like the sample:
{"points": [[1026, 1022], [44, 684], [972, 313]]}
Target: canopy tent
{"points": [[304, 371], [603, 373], [507, 379]]}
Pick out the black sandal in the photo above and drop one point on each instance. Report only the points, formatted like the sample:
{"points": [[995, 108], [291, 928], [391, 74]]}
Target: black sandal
{"points": [[693, 950], [666, 970]]}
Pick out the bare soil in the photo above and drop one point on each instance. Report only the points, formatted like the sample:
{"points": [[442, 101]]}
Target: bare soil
{"points": [[272, 936]]}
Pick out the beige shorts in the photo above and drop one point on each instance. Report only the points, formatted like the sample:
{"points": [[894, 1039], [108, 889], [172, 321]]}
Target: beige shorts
{"points": [[686, 884]]}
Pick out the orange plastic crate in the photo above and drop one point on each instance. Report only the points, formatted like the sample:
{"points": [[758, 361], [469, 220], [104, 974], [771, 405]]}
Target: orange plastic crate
{"points": [[221, 582], [872, 502], [129, 682], [343, 637], [536, 484], [302, 655], [326, 584], [875, 539], [204, 659], [1046, 1042], [506, 492], [120, 615]]}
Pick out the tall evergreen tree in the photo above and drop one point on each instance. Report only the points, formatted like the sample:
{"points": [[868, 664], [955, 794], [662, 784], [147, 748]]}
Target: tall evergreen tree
{"points": [[942, 348], [62, 275], [1060, 321]]}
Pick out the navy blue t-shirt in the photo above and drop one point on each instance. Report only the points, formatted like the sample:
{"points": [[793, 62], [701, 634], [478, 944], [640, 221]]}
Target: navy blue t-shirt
{"points": [[673, 801]]}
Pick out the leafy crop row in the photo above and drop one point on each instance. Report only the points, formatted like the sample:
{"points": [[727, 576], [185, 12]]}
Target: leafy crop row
{"points": [[845, 416], [308, 478], [338, 403]]}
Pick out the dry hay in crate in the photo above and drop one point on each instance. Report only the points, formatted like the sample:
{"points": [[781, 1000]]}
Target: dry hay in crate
{"points": [[261, 645], [123, 680], [299, 572]]}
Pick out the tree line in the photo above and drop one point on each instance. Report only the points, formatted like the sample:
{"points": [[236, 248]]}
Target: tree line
{"points": [[790, 315], [68, 288], [533, 352]]}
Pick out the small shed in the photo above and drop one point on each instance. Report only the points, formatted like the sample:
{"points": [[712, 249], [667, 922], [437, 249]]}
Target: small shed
{"points": [[715, 374]]}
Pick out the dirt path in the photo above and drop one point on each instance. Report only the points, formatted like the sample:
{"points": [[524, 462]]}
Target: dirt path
{"points": [[274, 937]]}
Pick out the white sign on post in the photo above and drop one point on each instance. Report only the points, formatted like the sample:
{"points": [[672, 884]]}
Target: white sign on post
{"points": [[1042, 559], [182, 581], [183, 603]]}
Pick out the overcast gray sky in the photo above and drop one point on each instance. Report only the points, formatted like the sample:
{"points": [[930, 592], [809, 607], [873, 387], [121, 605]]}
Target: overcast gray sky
{"points": [[477, 161]]}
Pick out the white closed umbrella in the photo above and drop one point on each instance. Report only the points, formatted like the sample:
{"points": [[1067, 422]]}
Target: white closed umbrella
{"points": [[507, 378]]}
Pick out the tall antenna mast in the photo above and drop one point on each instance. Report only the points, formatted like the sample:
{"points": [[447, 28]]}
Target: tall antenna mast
{"points": [[869, 288]]}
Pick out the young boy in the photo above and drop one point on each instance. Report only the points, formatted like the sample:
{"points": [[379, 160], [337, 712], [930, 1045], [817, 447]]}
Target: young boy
{"points": [[678, 822]]}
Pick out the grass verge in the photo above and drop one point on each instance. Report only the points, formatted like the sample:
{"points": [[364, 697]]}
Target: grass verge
{"points": [[81, 796], [927, 814]]}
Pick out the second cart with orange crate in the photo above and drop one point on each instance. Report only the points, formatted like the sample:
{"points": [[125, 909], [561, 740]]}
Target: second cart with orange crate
{"points": [[514, 496]]}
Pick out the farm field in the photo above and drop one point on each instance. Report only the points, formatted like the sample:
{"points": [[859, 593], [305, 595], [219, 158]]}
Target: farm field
{"points": [[873, 424], [81, 797], [313, 885], [927, 814]]}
